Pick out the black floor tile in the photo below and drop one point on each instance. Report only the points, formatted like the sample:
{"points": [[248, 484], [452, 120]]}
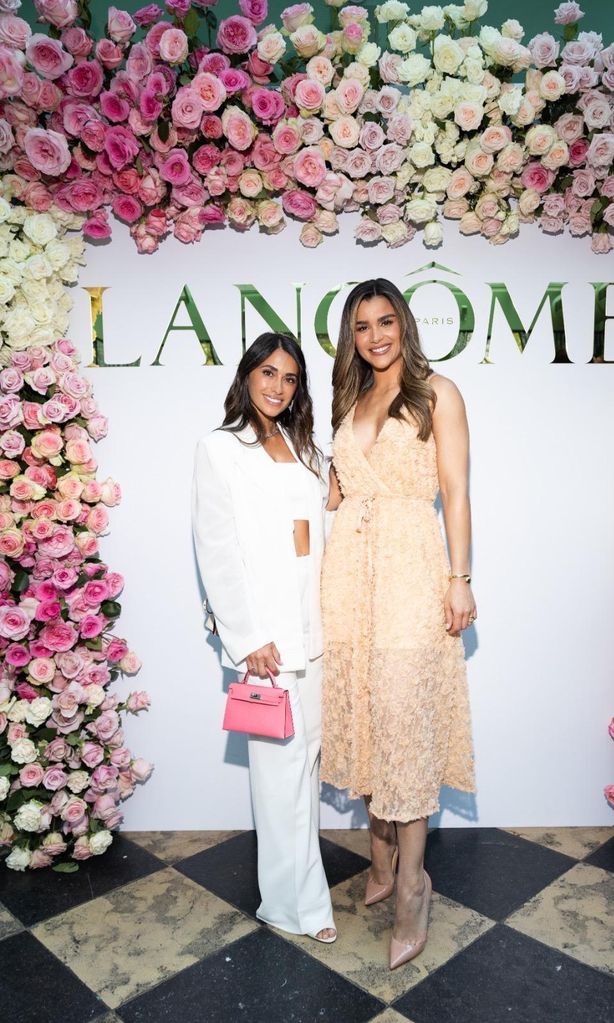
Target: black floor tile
{"points": [[340, 863], [39, 894], [489, 870], [603, 856], [505, 977], [260, 979], [229, 869], [35, 987]]}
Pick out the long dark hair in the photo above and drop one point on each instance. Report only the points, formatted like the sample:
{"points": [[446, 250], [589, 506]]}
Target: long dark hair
{"points": [[352, 375], [296, 420]]}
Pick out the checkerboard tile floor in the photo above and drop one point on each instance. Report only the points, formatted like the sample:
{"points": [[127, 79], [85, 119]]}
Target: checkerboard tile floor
{"points": [[163, 928]]}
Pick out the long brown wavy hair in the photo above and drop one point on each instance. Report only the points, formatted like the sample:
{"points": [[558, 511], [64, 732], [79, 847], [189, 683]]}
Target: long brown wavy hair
{"points": [[296, 420], [352, 375]]}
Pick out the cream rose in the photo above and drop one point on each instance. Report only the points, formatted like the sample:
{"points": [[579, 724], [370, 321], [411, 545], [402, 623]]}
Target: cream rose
{"points": [[402, 38], [447, 55], [345, 131], [271, 47]]}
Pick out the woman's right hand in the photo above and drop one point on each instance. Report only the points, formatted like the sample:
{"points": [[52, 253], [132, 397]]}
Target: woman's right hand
{"points": [[261, 661]]}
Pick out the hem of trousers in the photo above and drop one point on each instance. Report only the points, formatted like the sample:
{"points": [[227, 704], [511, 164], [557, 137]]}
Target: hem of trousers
{"points": [[294, 929]]}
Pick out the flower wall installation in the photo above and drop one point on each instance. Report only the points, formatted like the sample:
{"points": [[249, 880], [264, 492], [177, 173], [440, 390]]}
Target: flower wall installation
{"points": [[64, 767], [402, 117]]}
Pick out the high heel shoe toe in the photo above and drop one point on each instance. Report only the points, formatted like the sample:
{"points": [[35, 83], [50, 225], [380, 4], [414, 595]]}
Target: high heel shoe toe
{"points": [[401, 953], [378, 892]]}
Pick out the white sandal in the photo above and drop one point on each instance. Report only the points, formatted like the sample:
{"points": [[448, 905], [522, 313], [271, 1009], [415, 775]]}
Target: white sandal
{"points": [[325, 941]]}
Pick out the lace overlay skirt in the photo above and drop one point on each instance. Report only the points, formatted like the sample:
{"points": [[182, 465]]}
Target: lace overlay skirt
{"points": [[396, 719]]}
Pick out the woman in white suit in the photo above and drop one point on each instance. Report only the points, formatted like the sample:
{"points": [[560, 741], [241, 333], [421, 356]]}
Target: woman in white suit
{"points": [[258, 531]]}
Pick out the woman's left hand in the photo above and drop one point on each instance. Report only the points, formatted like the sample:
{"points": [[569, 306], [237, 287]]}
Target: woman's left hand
{"points": [[459, 606]]}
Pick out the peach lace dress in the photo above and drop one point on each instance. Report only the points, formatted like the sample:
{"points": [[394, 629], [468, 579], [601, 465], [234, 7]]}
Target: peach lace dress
{"points": [[396, 720]]}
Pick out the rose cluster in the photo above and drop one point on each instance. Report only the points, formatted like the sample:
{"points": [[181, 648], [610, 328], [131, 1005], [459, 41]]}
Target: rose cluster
{"points": [[64, 767], [289, 120]]}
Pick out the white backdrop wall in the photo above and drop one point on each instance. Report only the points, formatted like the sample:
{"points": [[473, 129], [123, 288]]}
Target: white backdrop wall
{"points": [[540, 658]]}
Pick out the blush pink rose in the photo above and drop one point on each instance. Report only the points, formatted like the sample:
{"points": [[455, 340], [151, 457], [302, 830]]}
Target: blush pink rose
{"points": [[31, 775], [120, 26], [298, 203], [47, 151], [173, 45], [48, 57], [59, 636], [309, 167], [210, 90], [536, 176]]}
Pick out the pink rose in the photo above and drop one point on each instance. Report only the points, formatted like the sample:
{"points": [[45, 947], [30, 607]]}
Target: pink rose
{"points": [[47, 151], [92, 754], [147, 15], [601, 150], [14, 622], [176, 167], [210, 90], [537, 177], [309, 167], [60, 13], [137, 701], [298, 203], [267, 105], [255, 10], [48, 57], [14, 32], [236, 35], [31, 775], [11, 73], [54, 778], [120, 26], [109, 54], [74, 811], [173, 45], [187, 108], [568, 13], [77, 42], [371, 136], [58, 635], [120, 146], [238, 128]]}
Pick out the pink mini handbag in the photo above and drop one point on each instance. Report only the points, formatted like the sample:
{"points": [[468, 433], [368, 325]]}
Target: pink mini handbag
{"points": [[258, 710]]}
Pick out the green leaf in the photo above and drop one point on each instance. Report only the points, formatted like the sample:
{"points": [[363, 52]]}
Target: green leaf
{"points": [[94, 644], [21, 581], [73, 739], [66, 868], [7, 770], [163, 130], [190, 24], [111, 608]]}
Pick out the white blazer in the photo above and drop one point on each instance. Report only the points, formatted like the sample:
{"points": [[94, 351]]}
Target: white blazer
{"points": [[243, 534]]}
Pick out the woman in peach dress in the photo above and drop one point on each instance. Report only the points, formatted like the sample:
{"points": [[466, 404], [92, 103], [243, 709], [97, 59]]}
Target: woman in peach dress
{"points": [[396, 723]]}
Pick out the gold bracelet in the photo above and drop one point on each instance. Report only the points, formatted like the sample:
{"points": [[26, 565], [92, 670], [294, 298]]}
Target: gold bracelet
{"points": [[461, 575]]}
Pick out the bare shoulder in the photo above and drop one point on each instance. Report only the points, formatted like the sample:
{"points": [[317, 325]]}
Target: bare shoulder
{"points": [[448, 394]]}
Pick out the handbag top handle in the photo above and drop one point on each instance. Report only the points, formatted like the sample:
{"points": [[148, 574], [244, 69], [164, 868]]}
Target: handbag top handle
{"points": [[269, 673]]}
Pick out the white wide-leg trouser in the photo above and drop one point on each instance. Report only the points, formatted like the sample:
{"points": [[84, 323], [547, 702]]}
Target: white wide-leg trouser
{"points": [[284, 779]]}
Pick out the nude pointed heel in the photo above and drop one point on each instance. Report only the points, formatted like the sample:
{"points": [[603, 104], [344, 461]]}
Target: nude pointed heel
{"points": [[378, 892], [400, 953]]}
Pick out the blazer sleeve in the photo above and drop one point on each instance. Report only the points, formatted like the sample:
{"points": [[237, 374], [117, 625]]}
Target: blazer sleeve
{"points": [[219, 559]]}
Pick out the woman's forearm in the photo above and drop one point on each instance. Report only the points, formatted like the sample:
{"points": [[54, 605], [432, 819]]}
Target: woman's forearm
{"points": [[457, 518]]}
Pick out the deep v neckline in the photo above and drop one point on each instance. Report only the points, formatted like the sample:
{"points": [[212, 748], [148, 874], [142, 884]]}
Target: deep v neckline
{"points": [[366, 454]]}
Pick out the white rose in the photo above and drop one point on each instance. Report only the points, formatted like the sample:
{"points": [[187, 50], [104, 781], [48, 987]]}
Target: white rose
{"points": [[95, 694], [18, 858], [369, 54], [431, 19], [18, 711], [4, 787], [420, 210], [402, 38], [395, 234], [489, 37], [473, 70], [433, 234], [512, 29], [23, 751], [19, 250], [78, 781], [447, 55], [12, 269], [442, 104], [40, 228], [392, 10], [37, 267], [271, 47], [28, 816], [509, 102], [358, 71], [421, 154], [414, 69], [456, 14], [5, 210], [100, 842], [7, 289], [436, 179], [38, 711], [552, 85], [474, 9], [57, 253]]}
